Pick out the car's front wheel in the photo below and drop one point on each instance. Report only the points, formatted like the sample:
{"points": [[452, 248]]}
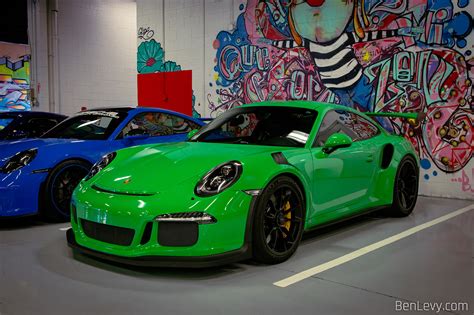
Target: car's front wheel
{"points": [[405, 192], [59, 187], [278, 221]]}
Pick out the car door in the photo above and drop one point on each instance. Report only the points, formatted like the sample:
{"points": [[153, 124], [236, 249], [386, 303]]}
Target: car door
{"points": [[155, 127], [341, 178]]}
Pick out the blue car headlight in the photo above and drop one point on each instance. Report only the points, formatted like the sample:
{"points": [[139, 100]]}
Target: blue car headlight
{"points": [[97, 167], [219, 178], [19, 160]]}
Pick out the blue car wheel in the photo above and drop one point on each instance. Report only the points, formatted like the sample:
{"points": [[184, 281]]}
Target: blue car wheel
{"points": [[59, 186]]}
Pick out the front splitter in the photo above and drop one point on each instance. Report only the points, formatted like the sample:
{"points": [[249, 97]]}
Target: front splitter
{"points": [[165, 261]]}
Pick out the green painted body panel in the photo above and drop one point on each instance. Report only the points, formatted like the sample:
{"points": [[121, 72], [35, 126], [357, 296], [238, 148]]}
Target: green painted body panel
{"points": [[342, 183]]}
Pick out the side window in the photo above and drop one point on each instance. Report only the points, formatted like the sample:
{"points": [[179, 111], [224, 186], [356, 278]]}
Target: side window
{"points": [[364, 128], [157, 124], [333, 122], [182, 125], [38, 126], [353, 125]]}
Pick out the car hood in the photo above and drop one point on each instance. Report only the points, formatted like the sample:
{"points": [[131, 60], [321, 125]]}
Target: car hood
{"points": [[9, 148], [53, 148], [158, 168]]}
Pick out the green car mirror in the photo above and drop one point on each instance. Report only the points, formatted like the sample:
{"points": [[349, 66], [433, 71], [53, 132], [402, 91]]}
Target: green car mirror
{"points": [[191, 133], [336, 141]]}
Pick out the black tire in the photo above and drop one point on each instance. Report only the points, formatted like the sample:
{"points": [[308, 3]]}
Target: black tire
{"points": [[58, 189], [278, 221], [405, 191]]}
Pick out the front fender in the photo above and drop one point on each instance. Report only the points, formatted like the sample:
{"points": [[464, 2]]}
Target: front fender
{"points": [[259, 171]]}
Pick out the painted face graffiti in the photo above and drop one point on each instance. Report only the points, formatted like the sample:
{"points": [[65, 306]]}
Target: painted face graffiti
{"points": [[317, 21], [370, 54]]}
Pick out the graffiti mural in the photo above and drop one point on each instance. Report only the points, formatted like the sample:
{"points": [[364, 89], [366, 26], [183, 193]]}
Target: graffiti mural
{"points": [[373, 55], [150, 58], [14, 77], [465, 181]]}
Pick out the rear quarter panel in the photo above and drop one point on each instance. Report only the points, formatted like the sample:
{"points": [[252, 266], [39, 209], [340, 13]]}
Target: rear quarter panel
{"points": [[384, 179]]}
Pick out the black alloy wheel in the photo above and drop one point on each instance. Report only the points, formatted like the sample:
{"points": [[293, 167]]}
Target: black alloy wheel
{"points": [[59, 188], [279, 221], [405, 191]]}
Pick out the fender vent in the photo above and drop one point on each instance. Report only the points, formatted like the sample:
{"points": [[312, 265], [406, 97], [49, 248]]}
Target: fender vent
{"points": [[387, 156], [279, 158]]}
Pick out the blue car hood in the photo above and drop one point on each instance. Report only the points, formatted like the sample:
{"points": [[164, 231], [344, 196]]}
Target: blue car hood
{"points": [[9, 148], [53, 147]]}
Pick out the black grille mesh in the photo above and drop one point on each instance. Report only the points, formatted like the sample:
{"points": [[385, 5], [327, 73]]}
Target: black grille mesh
{"points": [[108, 233]]}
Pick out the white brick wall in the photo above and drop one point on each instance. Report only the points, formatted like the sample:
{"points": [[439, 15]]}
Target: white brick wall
{"points": [[97, 54]]}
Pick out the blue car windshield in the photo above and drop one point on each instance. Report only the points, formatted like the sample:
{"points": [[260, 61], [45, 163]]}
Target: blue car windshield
{"points": [[260, 125], [4, 122], [90, 125]]}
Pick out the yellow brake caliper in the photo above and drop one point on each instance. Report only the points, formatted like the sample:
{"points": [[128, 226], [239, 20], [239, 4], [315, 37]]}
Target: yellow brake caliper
{"points": [[287, 224]]}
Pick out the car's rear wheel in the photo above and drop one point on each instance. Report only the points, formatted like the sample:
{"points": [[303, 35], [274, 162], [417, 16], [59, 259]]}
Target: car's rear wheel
{"points": [[59, 187], [278, 221], [405, 192]]}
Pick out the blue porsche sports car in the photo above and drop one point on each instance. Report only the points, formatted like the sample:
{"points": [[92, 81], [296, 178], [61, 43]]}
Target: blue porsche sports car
{"points": [[39, 175]]}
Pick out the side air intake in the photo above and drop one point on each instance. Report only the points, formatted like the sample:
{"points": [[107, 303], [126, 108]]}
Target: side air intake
{"points": [[279, 158], [387, 156]]}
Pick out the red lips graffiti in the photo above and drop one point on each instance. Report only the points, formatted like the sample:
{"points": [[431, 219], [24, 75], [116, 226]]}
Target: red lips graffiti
{"points": [[315, 3]]}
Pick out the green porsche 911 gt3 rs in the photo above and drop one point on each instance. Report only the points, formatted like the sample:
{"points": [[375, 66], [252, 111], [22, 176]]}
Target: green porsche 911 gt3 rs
{"points": [[247, 185]]}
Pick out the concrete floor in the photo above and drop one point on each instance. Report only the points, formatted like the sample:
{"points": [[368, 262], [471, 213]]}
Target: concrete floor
{"points": [[39, 275]]}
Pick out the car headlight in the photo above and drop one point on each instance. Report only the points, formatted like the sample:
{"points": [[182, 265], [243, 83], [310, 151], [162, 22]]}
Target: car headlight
{"points": [[19, 160], [97, 167], [219, 178]]}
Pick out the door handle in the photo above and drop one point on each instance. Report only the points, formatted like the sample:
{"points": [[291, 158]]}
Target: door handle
{"points": [[370, 158]]}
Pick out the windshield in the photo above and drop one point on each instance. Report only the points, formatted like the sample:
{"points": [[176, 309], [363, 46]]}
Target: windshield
{"points": [[93, 125], [262, 125], [4, 122]]}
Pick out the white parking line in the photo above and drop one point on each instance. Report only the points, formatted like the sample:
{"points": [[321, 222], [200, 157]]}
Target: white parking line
{"points": [[367, 249], [64, 228]]}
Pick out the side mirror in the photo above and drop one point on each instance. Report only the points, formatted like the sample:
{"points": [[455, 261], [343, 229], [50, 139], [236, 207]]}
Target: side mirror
{"points": [[191, 133], [336, 141]]}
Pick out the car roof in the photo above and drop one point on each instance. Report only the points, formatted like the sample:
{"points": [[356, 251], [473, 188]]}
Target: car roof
{"points": [[137, 110], [162, 110], [130, 109], [320, 106], [110, 109], [30, 114]]}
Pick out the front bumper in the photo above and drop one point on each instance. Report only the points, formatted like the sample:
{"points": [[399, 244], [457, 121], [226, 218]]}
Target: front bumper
{"points": [[99, 216], [165, 261], [19, 193]]}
